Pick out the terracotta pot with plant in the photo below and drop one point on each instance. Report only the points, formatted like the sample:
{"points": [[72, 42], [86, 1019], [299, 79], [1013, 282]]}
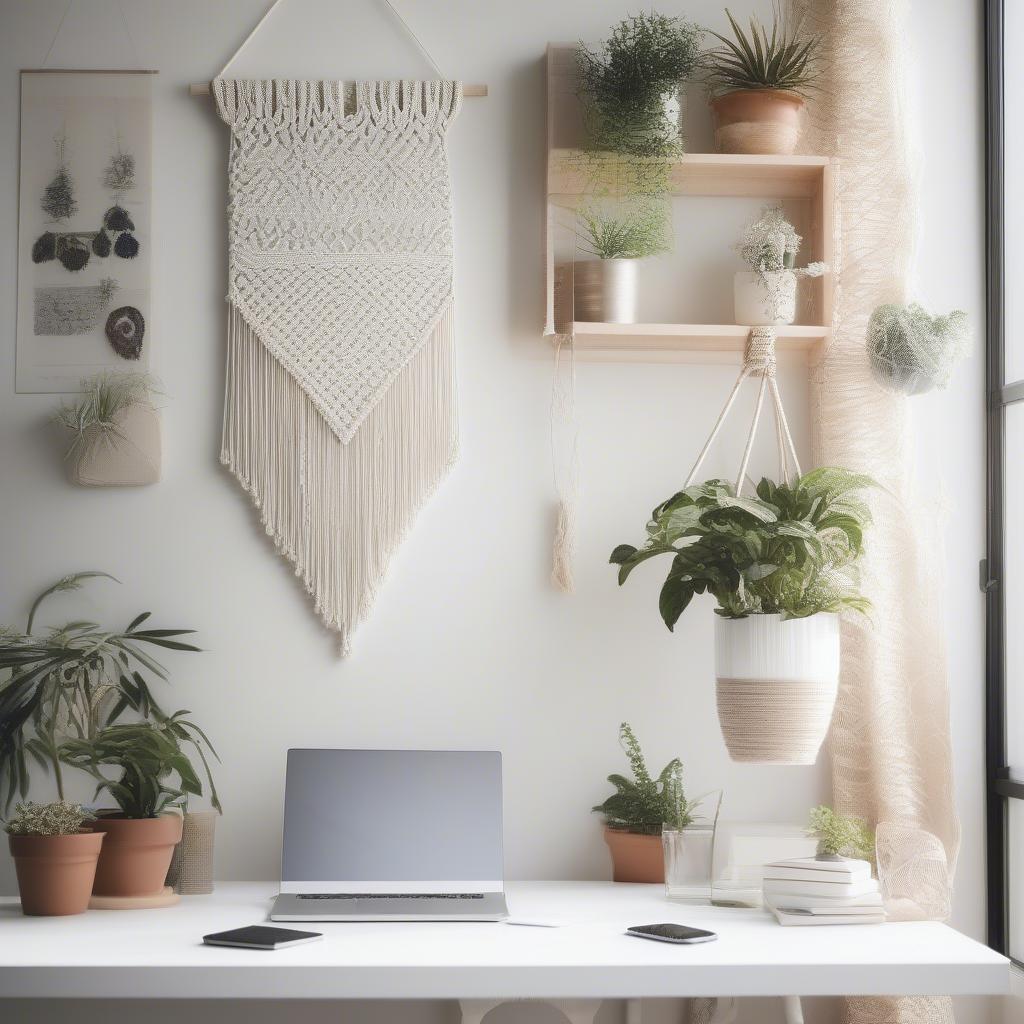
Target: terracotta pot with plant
{"points": [[758, 82], [65, 694], [55, 857], [146, 826], [638, 810]]}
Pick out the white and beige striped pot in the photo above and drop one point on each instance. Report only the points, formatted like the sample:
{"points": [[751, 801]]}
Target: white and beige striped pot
{"points": [[776, 686]]}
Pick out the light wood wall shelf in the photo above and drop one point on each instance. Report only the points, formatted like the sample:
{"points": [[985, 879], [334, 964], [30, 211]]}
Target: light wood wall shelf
{"points": [[805, 185]]}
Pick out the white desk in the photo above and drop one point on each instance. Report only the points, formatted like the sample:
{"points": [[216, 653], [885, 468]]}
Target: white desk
{"points": [[159, 953]]}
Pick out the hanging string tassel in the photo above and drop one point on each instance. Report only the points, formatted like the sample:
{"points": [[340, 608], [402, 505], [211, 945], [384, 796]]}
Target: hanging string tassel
{"points": [[565, 465]]}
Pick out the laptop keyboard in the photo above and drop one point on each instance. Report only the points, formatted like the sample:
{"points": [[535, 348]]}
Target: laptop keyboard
{"points": [[390, 896]]}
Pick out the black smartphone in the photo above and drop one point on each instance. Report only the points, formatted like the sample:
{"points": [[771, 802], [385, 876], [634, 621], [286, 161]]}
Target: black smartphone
{"points": [[260, 936], [678, 933]]}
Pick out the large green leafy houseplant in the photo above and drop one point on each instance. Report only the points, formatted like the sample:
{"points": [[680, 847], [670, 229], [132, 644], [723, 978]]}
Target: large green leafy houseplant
{"points": [[791, 549], [643, 804], [71, 682]]}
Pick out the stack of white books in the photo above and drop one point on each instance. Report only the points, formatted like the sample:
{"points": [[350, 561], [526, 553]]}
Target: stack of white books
{"points": [[807, 891]]}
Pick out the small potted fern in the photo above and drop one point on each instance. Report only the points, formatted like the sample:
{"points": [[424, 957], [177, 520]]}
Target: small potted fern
{"points": [[758, 81], [840, 836], [781, 565], [55, 854], [638, 810], [605, 287], [115, 432]]}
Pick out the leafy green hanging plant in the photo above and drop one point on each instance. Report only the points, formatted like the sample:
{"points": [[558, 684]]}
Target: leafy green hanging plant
{"points": [[790, 550]]}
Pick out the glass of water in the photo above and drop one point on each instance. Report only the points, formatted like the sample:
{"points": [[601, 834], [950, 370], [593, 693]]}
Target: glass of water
{"points": [[689, 860]]}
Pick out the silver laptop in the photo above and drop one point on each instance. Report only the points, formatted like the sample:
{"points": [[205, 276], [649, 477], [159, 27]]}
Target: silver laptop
{"points": [[386, 835]]}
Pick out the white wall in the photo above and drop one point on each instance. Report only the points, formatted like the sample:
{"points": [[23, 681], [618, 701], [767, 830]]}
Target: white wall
{"points": [[468, 644]]}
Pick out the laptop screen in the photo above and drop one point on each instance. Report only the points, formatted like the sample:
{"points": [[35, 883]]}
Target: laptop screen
{"points": [[381, 821]]}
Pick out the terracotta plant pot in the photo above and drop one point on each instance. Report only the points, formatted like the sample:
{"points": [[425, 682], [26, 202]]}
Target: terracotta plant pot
{"points": [[635, 858], [757, 121], [136, 854], [55, 873]]}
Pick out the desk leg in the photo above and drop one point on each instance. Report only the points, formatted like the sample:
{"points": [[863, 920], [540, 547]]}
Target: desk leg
{"points": [[575, 1011], [793, 1009]]}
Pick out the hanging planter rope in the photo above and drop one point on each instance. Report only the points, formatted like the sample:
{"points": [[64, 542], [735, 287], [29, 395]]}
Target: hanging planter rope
{"points": [[776, 681]]}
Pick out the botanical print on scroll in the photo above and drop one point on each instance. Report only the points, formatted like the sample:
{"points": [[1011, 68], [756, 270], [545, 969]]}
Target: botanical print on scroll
{"points": [[84, 227]]}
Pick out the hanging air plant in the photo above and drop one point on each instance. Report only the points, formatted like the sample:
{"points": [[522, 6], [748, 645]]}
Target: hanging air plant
{"points": [[72, 252], [45, 247], [101, 243], [911, 351], [117, 218], [126, 246], [58, 198]]}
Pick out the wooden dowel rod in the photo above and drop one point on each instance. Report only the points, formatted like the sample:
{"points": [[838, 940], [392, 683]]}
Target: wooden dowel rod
{"points": [[472, 90]]}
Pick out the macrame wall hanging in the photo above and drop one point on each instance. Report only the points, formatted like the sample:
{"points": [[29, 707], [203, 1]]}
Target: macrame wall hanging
{"points": [[339, 411]]}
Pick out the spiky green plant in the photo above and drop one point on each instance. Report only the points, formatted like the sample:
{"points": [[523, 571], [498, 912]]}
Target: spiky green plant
{"points": [[791, 549], [637, 231], [643, 804], [840, 835], [105, 396], [782, 60], [72, 682], [59, 818]]}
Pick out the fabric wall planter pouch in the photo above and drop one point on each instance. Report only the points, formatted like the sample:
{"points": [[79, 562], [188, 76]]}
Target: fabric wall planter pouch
{"points": [[776, 685], [604, 291], [128, 455], [55, 873], [762, 121], [635, 857], [766, 299], [191, 872], [136, 854]]}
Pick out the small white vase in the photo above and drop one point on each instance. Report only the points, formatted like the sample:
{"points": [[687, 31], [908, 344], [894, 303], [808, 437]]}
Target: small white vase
{"points": [[764, 300], [604, 291], [776, 685]]}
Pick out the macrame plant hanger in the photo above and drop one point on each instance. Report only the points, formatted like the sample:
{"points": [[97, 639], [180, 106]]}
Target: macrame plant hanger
{"points": [[758, 361]]}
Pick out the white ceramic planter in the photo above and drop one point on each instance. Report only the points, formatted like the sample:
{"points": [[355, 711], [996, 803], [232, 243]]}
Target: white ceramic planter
{"points": [[776, 686], [604, 291], [130, 458], [764, 300]]}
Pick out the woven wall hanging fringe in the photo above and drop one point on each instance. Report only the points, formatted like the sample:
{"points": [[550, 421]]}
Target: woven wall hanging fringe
{"points": [[339, 410]]}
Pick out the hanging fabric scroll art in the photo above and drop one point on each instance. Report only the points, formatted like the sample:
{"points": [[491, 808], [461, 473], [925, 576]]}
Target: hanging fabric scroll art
{"points": [[339, 415]]}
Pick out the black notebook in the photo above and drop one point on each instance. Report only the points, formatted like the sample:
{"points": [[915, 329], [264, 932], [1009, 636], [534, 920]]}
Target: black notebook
{"points": [[260, 936]]}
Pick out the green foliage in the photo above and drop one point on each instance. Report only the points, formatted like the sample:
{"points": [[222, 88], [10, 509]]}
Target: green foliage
{"points": [[104, 397], [790, 550], [624, 81], [147, 755], [72, 682], [640, 230], [783, 60], [840, 835], [769, 243], [59, 818], [643, 804]]}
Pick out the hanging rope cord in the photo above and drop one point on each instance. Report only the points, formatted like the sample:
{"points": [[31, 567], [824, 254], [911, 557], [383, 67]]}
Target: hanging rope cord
{"points": [[758, 361], [387, 3]]}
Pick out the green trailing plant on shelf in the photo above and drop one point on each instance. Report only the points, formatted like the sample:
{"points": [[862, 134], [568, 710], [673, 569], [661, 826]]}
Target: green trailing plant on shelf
{"points": [[74, 681], [634, 232], [783, 59], [643, 804], [625, 82], [790, 549], [94, 417], [840, 835], [147, 757], [60, 818]]}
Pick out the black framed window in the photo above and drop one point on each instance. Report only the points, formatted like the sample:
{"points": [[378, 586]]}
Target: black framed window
{"points": [[1003, 577]]}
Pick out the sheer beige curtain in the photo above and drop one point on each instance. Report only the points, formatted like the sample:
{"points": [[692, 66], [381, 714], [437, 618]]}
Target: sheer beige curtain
{"points": [[890, 742]]}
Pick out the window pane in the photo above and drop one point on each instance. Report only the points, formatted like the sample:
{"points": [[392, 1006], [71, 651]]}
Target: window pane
{"points": [[1013, 170], [1013, 527], [1015, 872]]}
